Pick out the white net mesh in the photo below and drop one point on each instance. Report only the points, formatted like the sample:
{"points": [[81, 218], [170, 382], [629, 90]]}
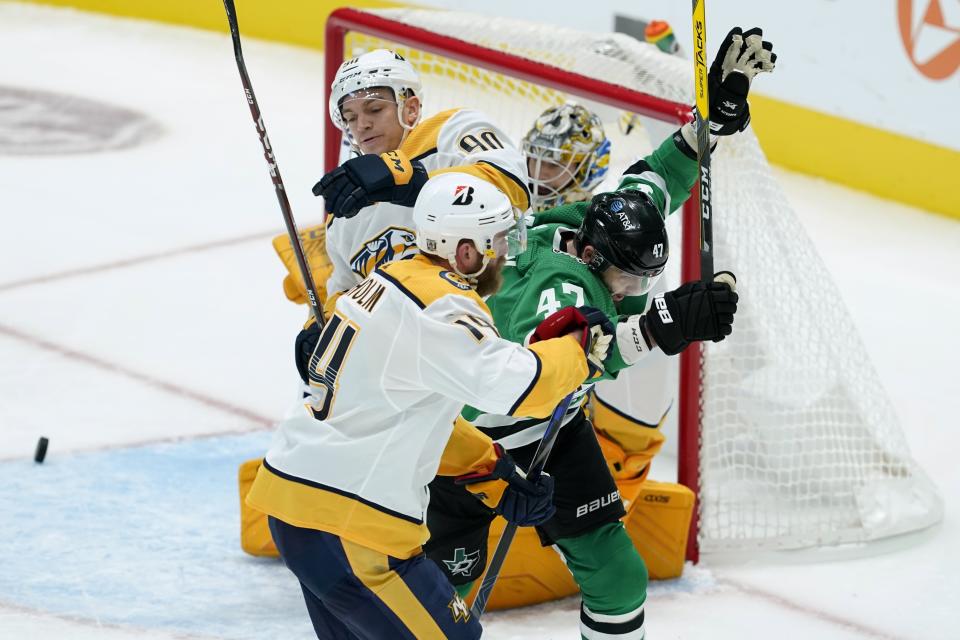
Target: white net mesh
{"points": [[800, 445]]}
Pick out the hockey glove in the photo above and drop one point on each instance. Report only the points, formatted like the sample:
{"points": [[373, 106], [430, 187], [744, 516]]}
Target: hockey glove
{"points": [[361, 181], [695, 311], [742, 56], [303, 348], [507, 491], [590, 326]]}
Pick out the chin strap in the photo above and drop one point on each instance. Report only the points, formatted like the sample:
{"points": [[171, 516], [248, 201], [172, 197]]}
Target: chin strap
{"points": [[471, 278], [406, 128]]}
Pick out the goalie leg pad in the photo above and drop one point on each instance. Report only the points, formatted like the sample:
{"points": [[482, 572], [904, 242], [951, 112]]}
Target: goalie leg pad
{"points": [[531, 573], [314, 243], [628, 447], [255, 536], [613, 582], [658, 522]]}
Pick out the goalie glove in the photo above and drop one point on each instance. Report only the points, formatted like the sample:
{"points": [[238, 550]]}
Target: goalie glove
{"points": [[742, 55], [361, 181], [506, 490], [590, 326], [695, 311]]}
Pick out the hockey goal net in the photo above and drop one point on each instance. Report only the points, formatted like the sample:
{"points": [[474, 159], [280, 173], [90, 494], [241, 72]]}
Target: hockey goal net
{"points": [[785, 432]]}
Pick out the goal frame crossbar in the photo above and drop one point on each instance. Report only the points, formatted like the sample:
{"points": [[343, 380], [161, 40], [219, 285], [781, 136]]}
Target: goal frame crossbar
{"points": [[344, 20]]}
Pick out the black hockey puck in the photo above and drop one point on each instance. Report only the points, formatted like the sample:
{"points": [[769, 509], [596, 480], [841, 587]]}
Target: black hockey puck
{"points": [[41, 451]]}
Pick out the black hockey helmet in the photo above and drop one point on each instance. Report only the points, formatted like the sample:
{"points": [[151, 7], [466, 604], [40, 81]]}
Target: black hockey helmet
{"points": [[626, 231]]}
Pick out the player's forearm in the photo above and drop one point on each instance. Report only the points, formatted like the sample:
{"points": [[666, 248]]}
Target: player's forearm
{"points": [[672, 168], [563, 368], [468, 450]]}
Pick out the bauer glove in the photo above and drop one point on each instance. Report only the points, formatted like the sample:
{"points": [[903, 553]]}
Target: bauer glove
{"points": [[695, 311], [742, 55], [361, 181], [507, 491]]}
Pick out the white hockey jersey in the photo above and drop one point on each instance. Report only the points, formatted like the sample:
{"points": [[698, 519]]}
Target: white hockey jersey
{"points": [[460, 140], [403, 352]]}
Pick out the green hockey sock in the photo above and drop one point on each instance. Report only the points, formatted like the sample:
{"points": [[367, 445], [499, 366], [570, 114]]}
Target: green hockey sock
{"points": [[612, 578]]}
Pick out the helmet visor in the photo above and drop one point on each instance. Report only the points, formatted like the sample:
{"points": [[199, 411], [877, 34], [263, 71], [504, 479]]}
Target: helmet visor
{"points": [[517, 239], [626, 284], [510, 242], [364, 101]]}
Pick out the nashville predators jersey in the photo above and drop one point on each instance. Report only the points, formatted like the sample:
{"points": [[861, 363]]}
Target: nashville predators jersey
{"points": [[460, 140], [396, 361]]}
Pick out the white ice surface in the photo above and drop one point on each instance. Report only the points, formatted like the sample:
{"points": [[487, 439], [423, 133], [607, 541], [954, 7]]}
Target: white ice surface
{"points": [[140, 305]]}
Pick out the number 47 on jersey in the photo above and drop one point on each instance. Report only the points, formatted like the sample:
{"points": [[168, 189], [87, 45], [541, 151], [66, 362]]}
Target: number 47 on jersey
{"points": [[549, 300]]}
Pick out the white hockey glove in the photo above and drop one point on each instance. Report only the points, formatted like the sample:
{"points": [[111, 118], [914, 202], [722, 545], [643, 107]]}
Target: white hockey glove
{"points": [[742, 55]]}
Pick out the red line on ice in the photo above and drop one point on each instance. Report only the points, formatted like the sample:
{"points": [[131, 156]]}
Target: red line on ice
{"points": [[825, 616], [131, 262], [156, 383]]}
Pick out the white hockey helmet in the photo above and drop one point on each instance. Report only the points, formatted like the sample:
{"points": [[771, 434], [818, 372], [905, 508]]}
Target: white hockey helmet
{"points": [[458, 206], [377, 68]]}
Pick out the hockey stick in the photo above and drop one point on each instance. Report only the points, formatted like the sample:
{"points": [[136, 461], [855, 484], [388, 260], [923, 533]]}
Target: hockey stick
{"points": [[701, 115], [272, 163], [503, 545]]}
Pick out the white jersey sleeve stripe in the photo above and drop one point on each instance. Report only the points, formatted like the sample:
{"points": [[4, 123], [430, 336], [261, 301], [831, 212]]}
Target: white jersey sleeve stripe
{"points": [[526, 392]]}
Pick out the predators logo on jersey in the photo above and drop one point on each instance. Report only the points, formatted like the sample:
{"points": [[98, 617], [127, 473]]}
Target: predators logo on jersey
{"points": [[459, 609], [393, 243]]}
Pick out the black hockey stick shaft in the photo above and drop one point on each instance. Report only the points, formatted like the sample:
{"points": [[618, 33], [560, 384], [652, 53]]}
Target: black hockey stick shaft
{"points": [[503, 545], [701, 115], [272, 164]]}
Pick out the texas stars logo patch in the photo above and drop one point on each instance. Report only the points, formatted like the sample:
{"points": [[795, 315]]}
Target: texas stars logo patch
{"points": [[463, 562]]}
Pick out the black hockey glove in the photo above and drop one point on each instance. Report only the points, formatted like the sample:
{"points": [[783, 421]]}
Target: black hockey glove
{"points": [[742, 56], [303, 348], [361, 181], [595, 332], [695, 311], [508, 492]]}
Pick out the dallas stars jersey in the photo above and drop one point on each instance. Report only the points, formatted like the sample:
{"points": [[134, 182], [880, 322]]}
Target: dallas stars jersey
{"points": [[545, 278], [395, 363], [460, 140]]}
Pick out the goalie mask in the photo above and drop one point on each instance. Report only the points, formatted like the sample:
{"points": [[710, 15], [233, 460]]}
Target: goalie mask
{"points": [[567, 155], [359, 79], [629, 238], [457, 206]]}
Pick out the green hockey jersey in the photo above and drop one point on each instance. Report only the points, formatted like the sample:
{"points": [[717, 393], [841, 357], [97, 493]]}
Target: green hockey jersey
{"points": [[546, 278]]}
